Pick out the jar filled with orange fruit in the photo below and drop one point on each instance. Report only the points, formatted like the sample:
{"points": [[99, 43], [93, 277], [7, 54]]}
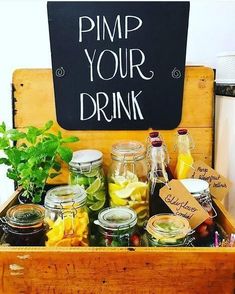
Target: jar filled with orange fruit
{"points": [[66, 216]]}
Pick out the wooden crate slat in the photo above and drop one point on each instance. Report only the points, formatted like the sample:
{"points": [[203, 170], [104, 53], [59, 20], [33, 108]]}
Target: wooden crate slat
{"points": [[117, 271]]}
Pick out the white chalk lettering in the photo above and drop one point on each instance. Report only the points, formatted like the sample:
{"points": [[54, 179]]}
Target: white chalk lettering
{"points": [[120, 28], [115, 65], [127, 22], [82, 106], [109, 108], [90, 60], [137, 65], [81, 24]]}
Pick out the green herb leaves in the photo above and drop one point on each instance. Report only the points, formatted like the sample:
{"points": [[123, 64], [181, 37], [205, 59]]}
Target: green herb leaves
{"points": [[33, 156]]}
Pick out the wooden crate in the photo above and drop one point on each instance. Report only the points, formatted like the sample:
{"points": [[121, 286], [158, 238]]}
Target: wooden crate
{"points": [[119, 270]]}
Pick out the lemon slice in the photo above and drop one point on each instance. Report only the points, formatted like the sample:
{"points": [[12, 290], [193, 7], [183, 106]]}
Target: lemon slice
{"points": [[131, 177], [130, 188], [121, 181], [114, 187], [117, 201], [94, 187]]}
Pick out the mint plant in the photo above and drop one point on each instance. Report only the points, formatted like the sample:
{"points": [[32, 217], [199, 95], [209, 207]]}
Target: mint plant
{"points": [[33, 156]]}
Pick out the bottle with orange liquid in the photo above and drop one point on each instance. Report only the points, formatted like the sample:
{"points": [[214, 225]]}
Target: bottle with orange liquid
{"points": [[184, 160]]}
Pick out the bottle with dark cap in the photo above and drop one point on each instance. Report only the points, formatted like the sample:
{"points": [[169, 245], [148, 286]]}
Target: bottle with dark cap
{"points": [[184, 160], [153, 137], [158, 177]]}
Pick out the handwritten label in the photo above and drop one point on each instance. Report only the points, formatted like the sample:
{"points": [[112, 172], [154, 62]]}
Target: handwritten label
{"points": [[182, 203], [219, 185], [107, 74]]}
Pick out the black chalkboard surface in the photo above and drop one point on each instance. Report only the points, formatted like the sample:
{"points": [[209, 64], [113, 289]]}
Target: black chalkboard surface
{"points": [[118, 65]]}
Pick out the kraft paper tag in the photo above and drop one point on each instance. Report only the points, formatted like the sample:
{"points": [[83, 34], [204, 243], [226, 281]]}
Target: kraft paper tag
{"points": [[182, 203], [219, 185]]}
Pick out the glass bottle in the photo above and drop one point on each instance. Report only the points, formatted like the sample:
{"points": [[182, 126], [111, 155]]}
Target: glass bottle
{"points": [[127, 178], [168, 230], [184, 160], [24, 225], [87, 172], [155, 136], [204, 233], [158, 177], [117, 227], [67, 217]]}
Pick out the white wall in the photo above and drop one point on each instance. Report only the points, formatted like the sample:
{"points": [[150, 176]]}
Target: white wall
{"points": [[24, 43]]}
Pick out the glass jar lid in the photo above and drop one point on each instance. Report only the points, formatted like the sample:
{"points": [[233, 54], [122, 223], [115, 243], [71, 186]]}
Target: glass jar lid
{"points": [[25, 215], [86, 159], [168, 225], [65, 197], [116, 218], [195, 186], [128, 150]]}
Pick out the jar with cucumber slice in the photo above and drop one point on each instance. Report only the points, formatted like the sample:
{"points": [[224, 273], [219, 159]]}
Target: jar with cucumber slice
{"points": [[168, 230], [86, 171], [127, 179]]}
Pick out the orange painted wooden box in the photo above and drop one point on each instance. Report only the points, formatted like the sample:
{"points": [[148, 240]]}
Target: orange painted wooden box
{"points": [[118, 270]]}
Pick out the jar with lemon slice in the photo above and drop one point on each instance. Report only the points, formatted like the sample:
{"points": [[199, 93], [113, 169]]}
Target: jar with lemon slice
{"points": [[87, 172], [127, 178], [168, 230], [66, 216]]}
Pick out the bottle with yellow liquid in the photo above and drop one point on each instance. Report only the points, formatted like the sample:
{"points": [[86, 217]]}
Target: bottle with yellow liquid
{"points": [[184, 160]]}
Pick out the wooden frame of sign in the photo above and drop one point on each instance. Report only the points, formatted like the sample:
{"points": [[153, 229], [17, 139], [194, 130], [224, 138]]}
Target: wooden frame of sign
{"points": [[114, 270]]}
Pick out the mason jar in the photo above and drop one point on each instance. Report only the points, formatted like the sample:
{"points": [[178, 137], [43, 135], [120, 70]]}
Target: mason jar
{"points": [[199, 189], [117, 227], [86, 171], [127, 178], [67, 216], [168, 230], [24, 225]]}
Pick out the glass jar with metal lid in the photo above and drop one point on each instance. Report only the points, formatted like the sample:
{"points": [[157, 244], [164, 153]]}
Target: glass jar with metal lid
{"points": [[86, 171], [67, 217], [24, 225], [168, 230], [127, 178], [117, 227], [204, 233]]}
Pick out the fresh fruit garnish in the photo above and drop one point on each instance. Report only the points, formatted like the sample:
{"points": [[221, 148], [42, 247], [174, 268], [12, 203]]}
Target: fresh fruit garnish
{"points": [[69, 231], [92, 173], [100, 195], [127, 190], [94, 187], [97, 205], [117, 201], [135, 240], [208, 221], [202, 230], [131, 188]]}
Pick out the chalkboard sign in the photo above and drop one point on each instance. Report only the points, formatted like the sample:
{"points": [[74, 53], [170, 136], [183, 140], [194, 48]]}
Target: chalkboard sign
{"points": [[118, 65]]}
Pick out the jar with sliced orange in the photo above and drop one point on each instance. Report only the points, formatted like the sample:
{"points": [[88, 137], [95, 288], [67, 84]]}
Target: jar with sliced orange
{"points": [[66, 216]]}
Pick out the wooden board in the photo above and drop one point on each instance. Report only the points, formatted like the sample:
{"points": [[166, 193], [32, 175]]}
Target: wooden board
{"points": [[34, 105], [95, 270], [117, 270]]}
